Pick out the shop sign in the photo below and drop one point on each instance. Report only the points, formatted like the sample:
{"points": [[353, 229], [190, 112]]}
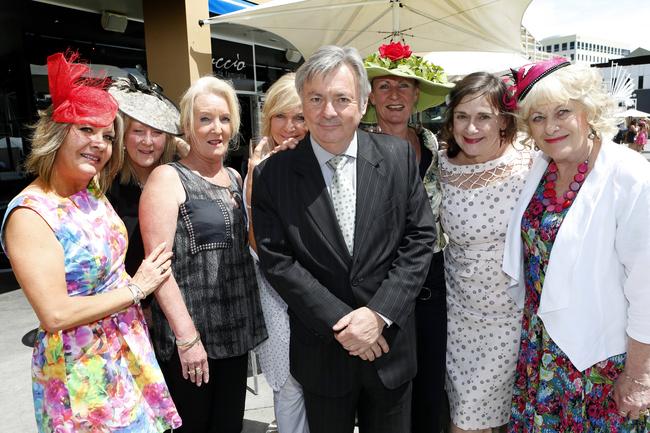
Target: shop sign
{"points": [[226, 64], [232, 59]]}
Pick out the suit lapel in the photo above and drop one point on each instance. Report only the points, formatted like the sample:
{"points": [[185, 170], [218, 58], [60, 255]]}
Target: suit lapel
{"points": [[314, 195], [370, 178]]}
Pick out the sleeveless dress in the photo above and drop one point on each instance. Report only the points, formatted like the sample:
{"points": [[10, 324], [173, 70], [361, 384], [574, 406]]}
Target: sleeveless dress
{"points": [[214, 271], [102, 376], [483, 322], [550, 394]]}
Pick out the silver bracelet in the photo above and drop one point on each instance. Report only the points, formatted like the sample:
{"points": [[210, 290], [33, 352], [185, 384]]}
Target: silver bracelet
{"points": [[136, 293], [185, 345]]}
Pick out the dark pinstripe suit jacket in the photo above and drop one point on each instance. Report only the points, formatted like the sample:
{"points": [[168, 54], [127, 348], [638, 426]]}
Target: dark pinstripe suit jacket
{"points": [[303, 255]]}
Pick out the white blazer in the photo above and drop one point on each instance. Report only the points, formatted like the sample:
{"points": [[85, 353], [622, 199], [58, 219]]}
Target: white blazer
{"points": [[597, 284]]}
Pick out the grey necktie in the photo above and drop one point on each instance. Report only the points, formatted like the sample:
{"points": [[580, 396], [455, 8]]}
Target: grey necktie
{"points": [[344, 199]]}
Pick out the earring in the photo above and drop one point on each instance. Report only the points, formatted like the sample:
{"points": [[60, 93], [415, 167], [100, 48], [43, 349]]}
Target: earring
{"points": [[592, 133], [502, 133]]}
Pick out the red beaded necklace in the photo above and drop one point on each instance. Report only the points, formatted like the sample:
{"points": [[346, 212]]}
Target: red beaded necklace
{"points": [[550, 200]]}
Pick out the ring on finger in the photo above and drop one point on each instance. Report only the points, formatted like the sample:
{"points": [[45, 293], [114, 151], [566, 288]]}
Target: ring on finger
{"points": [[198, 370], [622, 413], [645, 412], [190, 372]]}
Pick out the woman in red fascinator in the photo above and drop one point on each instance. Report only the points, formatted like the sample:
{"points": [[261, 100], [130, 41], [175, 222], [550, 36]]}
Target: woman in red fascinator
{"points": [[93, 367]]}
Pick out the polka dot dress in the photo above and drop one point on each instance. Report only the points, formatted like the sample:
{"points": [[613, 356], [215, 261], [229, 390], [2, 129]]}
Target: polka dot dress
{"points": [[483, 322]]}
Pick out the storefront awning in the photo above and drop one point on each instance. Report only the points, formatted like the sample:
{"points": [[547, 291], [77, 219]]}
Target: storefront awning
{"points": [[221, 7]]}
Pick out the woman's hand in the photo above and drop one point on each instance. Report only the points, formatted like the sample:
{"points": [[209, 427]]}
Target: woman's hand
{"points": [[154, 270], [257, 155], [632, 388], [194, 363], [632, 396], [287, 144]]}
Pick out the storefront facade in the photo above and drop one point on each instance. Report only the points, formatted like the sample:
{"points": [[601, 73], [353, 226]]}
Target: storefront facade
{"points": [[35, 29]]}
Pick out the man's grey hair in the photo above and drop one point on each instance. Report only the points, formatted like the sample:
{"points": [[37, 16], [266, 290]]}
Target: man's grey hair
{"points": [[328, 59]]}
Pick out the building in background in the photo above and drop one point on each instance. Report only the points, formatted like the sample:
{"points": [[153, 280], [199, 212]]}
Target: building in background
{"points": [[115, 43], [637, 64], [533, 49], [577, 48]]}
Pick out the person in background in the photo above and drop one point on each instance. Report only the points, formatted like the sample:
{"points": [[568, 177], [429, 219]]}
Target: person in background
{"points": [[632, 129], [93, 367], [482, 172], [207, 315], [401, 84], [282, 126], [151, 122], [577, 249], [641, 137]]}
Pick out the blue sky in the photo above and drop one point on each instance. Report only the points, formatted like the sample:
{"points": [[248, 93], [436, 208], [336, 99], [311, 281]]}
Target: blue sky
{"points": [[626, 21]]}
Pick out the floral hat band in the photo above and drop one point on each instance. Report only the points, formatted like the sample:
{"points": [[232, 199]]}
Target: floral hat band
{"points": [[397, 59], [527, 76]]}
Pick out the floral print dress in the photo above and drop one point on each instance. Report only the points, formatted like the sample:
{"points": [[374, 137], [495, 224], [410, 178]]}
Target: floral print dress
{"points": [[550, 394], [102, 376]]}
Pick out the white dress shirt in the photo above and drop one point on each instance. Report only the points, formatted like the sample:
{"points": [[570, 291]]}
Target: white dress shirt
{"points": [[349, 170]]}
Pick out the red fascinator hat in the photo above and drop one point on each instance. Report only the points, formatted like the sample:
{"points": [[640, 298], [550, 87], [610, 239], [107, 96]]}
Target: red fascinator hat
{"points": [[525, 78], [78, 100]]}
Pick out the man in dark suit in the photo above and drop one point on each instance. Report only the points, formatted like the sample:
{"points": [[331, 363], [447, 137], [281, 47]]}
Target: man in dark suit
{"points": [[345, 236]]}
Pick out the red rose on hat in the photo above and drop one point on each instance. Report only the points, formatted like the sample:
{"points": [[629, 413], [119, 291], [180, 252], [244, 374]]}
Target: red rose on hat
{"points": [[395, 51]]}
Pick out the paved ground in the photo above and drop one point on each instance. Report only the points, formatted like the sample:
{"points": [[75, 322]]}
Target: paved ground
{"points": [[17, 318]]}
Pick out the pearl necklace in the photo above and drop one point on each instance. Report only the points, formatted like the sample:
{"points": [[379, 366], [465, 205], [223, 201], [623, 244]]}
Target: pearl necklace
{"points": [[550, 200]]}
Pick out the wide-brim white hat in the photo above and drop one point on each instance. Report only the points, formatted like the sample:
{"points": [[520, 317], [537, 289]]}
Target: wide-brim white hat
{"points": [[146, 103]]}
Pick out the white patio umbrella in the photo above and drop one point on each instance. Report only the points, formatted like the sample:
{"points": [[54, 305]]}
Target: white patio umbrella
{"points": [[633, 112], [460, 63], [425, 25], [96, 70]]}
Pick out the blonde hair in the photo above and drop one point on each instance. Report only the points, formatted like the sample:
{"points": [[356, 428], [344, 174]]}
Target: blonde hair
{"points": [[214, 86], [281, 97], [578, 83], [127, 173], [49, 136]]}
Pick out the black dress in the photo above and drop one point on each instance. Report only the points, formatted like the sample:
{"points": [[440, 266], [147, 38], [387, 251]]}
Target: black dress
{"points": [[429, 403], [125, 200], [214, 271]]}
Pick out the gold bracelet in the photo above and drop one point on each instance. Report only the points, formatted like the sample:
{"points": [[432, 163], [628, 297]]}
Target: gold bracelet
{"points": [[637, 381], [189, 343]]}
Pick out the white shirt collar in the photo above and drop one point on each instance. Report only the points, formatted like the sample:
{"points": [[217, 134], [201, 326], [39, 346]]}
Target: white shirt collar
{"points": [[323, 155]]}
